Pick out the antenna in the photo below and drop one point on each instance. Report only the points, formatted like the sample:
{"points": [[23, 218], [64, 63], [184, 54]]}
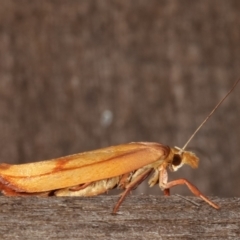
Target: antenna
{"points": [[211, 113]]}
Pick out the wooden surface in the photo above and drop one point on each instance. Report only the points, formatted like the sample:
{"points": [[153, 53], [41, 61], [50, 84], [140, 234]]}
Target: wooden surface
{"points": [[140, 217]]}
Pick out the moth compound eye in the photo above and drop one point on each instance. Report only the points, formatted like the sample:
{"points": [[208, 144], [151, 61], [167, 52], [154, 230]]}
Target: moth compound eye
{"points": [[177, 160]]}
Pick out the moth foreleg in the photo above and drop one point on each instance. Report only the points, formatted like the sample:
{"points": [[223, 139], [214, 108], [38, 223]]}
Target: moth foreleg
{"points": [[191, 187]]}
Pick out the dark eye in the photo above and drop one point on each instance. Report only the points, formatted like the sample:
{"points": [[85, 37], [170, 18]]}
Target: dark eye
{"points": [[176, 160]]}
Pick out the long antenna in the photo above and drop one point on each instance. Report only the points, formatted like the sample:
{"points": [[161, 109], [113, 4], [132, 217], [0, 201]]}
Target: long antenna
{"points": [[211, 113]]}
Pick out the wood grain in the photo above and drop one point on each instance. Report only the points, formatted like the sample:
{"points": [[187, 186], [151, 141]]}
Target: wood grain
{"points": [[140, 217]]}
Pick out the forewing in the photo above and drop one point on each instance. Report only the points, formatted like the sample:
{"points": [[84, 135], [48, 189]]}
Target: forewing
{"points": [[81, 168]]}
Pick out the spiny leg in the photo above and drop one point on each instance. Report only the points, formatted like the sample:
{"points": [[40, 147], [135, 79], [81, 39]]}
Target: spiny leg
{"points": [[130, 187]]}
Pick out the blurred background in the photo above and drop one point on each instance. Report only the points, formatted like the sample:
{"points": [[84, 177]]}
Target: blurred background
{"points": [[81, 75]]}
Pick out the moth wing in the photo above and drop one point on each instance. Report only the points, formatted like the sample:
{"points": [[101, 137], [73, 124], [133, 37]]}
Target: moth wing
{"points": [[81, 168]]}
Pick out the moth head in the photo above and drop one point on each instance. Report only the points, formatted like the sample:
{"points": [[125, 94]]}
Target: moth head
{"points": [[183, 157]]}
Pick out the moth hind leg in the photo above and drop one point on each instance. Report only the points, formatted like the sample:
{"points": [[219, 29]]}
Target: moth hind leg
{"points": [[80, 187]]}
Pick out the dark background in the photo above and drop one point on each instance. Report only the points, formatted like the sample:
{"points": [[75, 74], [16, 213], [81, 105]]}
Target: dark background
{"points": [[81, 75]]}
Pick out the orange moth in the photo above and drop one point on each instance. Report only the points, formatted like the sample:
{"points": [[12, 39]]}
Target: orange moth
{"points": [[95, 172]]}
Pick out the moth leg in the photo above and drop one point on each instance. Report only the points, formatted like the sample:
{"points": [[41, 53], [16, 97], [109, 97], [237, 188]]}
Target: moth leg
{"points": [[163, 179], [132, 185], [80, 187], [166, 192], [190, 186], [155, 179], [124, 180]]}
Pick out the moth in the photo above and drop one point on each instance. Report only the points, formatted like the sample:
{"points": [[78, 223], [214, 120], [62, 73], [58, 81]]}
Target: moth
{"points": [[95, 172]]}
